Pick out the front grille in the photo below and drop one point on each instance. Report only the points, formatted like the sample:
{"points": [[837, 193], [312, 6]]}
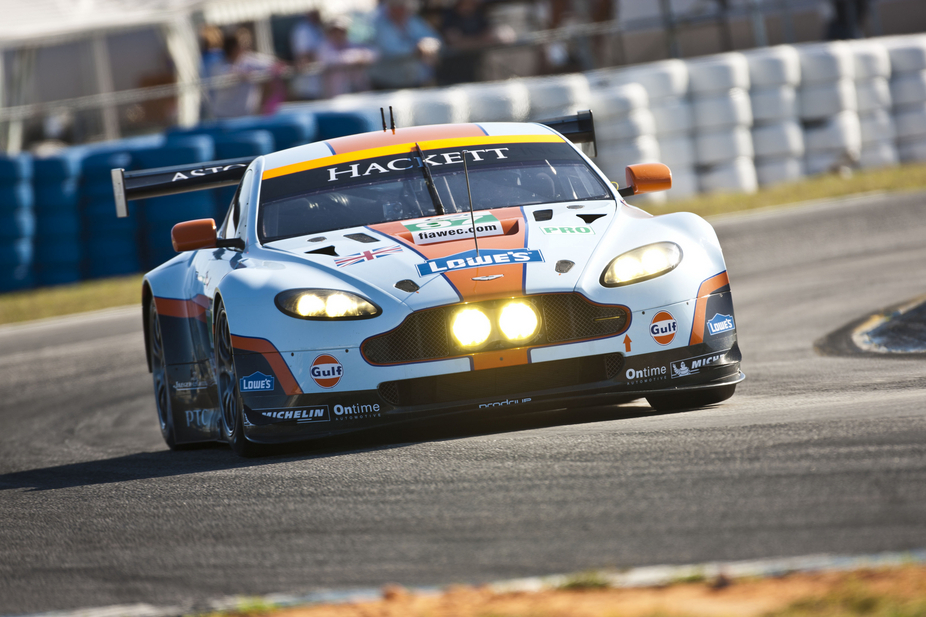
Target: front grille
{"points": [[500, 382], [425, 335]]}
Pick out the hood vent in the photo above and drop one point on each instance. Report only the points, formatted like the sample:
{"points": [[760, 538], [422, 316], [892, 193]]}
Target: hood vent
{"points": [[361, 238], [543, 215], [564, 265], [328, 250], [407, 285], [590, 218]]}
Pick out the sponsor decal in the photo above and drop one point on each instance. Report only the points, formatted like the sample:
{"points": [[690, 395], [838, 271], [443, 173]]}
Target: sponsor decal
{"points": [[663, 327], [437, 159], [582, 230], [693, 366], [188, 386], [356, 258], [357, 411], [486, 257], [720, 323], [199, 418], [504, 403], [454, 227], [256, 382], [301, 415], [646, 374], [204, 171], [326, 371]]}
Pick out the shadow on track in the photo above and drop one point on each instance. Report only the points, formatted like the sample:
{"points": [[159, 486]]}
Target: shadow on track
{"points": [[213, 457]]}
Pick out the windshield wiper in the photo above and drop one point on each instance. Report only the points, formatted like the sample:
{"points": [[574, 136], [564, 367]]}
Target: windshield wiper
{"points": [[435, 197]]}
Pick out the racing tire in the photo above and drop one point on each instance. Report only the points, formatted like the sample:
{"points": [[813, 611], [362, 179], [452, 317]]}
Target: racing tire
{"points": [[873, 94], [826, 62], [719, 73], [872, 60], [159, 377], [908, 89], [231, 407], [908, 54], [690, 400], [773, 104], [774, 66]]}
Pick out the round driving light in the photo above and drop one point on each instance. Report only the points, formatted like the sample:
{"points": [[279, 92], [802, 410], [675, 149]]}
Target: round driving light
{"points": [[518, 321], [338, 305], [627, 268], [655, 260], [471, 327], [310, 305]]}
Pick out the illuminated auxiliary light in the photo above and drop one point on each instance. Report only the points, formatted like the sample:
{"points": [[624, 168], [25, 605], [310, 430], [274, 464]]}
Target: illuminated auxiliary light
{"points": [[642, 264], [471, 327], [518, 320], [325, 304]]}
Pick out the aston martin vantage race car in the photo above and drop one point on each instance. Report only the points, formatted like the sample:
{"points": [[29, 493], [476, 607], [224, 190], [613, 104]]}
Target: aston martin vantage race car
{"points": [[414, 272]]}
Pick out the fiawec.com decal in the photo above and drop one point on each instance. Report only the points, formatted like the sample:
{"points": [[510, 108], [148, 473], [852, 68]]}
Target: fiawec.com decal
{"points": [[326, 371], [663, 327], [486, 257], [455, 227]]}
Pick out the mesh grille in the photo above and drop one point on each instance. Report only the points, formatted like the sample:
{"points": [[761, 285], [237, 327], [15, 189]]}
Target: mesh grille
{"points": [[613, 363], [389, 390], [425, 335], [569, 317]]}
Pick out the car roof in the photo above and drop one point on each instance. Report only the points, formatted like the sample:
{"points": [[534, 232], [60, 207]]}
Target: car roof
{"points": [[356, 144]]}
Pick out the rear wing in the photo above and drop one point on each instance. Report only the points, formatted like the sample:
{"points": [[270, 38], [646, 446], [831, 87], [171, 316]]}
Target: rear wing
{"points": [[579, 129], [172, 180]]}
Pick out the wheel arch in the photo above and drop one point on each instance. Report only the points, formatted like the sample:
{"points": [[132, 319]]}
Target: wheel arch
{"points": [[146, 296]]}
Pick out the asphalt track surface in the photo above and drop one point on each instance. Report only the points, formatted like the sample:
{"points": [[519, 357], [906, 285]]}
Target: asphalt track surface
{"points": [[813, 454]]}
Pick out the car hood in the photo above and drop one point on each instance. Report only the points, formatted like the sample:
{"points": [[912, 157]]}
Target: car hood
{"points": [[433, 260]]}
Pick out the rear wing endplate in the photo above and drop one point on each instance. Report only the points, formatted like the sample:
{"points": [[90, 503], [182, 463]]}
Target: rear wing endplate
{"points": [[578, 128], [172, 180]]}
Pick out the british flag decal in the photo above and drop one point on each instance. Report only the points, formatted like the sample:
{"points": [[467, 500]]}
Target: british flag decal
{"points": [[367, 255]]}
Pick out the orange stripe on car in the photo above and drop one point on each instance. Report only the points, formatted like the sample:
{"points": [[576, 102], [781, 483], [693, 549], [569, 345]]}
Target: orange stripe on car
{"points": [[707, 288], [406, 147], [185, 309], [502, 357], [273, 357]]}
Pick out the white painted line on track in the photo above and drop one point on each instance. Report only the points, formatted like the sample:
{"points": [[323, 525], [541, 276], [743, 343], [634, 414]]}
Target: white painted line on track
{"points": [[647, 576]]}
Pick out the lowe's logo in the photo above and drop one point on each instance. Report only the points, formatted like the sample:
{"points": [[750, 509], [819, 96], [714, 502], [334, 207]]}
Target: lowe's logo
{"points": [[256, 382], [486, 257], [720, 323]]}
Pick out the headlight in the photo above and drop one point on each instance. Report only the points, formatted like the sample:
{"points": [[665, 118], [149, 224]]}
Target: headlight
{"points": [[518, 320], [471, 327], [642, 264], [325, 304]]}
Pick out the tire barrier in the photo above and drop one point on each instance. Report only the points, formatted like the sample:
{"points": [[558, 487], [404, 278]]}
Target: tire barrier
{"points": [[908, 95], [552, 97], [17, 222], [110, 245]]}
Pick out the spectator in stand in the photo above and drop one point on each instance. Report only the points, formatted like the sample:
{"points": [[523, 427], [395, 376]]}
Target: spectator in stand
{"points": [[344, 63], [408, 47], [213, 59], [305, 40], [466, 31], [244, 97]]}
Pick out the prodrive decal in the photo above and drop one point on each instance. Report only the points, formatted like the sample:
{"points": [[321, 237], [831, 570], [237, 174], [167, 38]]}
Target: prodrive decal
{"points": [[455, 227], [486, 257]]}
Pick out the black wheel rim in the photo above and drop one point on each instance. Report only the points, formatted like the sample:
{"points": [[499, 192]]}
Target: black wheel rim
{"points": [[159, 373], [228, 380]]}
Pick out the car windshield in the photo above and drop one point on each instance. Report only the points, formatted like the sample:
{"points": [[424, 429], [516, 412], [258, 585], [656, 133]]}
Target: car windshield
{"points": [[394, 187]]}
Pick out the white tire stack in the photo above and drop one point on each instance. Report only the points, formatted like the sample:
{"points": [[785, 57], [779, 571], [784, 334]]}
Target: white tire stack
{"points": [[553, 97], [722, 118], [500, 101], [624, 130], [828, 105], [908, 94], [777, 136], [873, 91], [439, 106]]}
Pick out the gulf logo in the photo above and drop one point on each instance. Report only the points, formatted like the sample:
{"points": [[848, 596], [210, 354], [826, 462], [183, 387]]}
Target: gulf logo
{"points": [[663, 327], [326, 371]]}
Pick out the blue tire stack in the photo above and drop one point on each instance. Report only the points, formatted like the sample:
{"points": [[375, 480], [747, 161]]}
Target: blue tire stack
{"points": [[110, 244], [233, 146], [17, 222], [160, 214], [333, 124], [288, 130], [57, 218]]}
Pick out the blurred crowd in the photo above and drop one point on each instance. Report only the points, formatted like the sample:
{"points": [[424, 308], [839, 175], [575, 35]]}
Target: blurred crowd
{"points": [[395, 46]]}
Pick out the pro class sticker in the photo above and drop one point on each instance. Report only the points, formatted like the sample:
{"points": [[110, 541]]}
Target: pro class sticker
{"points": [[486, 257], [455, 227], [581, 230], [326, 371], [663, 327]]}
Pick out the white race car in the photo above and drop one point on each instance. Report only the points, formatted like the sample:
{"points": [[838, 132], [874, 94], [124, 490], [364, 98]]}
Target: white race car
{"points": [[414, 272]]}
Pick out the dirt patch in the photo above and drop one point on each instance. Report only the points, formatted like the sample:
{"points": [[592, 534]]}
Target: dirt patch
{"points": [[895, 592]]}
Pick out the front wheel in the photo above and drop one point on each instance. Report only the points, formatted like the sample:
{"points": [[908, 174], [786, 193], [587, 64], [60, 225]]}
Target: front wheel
{"points": [[690, 400], [230, 403], [159, 376]]}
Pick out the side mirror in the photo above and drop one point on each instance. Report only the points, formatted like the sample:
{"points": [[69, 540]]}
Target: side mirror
{"points": [[193, 235], [648, 178]]}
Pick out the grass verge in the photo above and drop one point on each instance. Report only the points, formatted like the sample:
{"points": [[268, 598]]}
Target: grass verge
{"points": [[100, 294]]}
